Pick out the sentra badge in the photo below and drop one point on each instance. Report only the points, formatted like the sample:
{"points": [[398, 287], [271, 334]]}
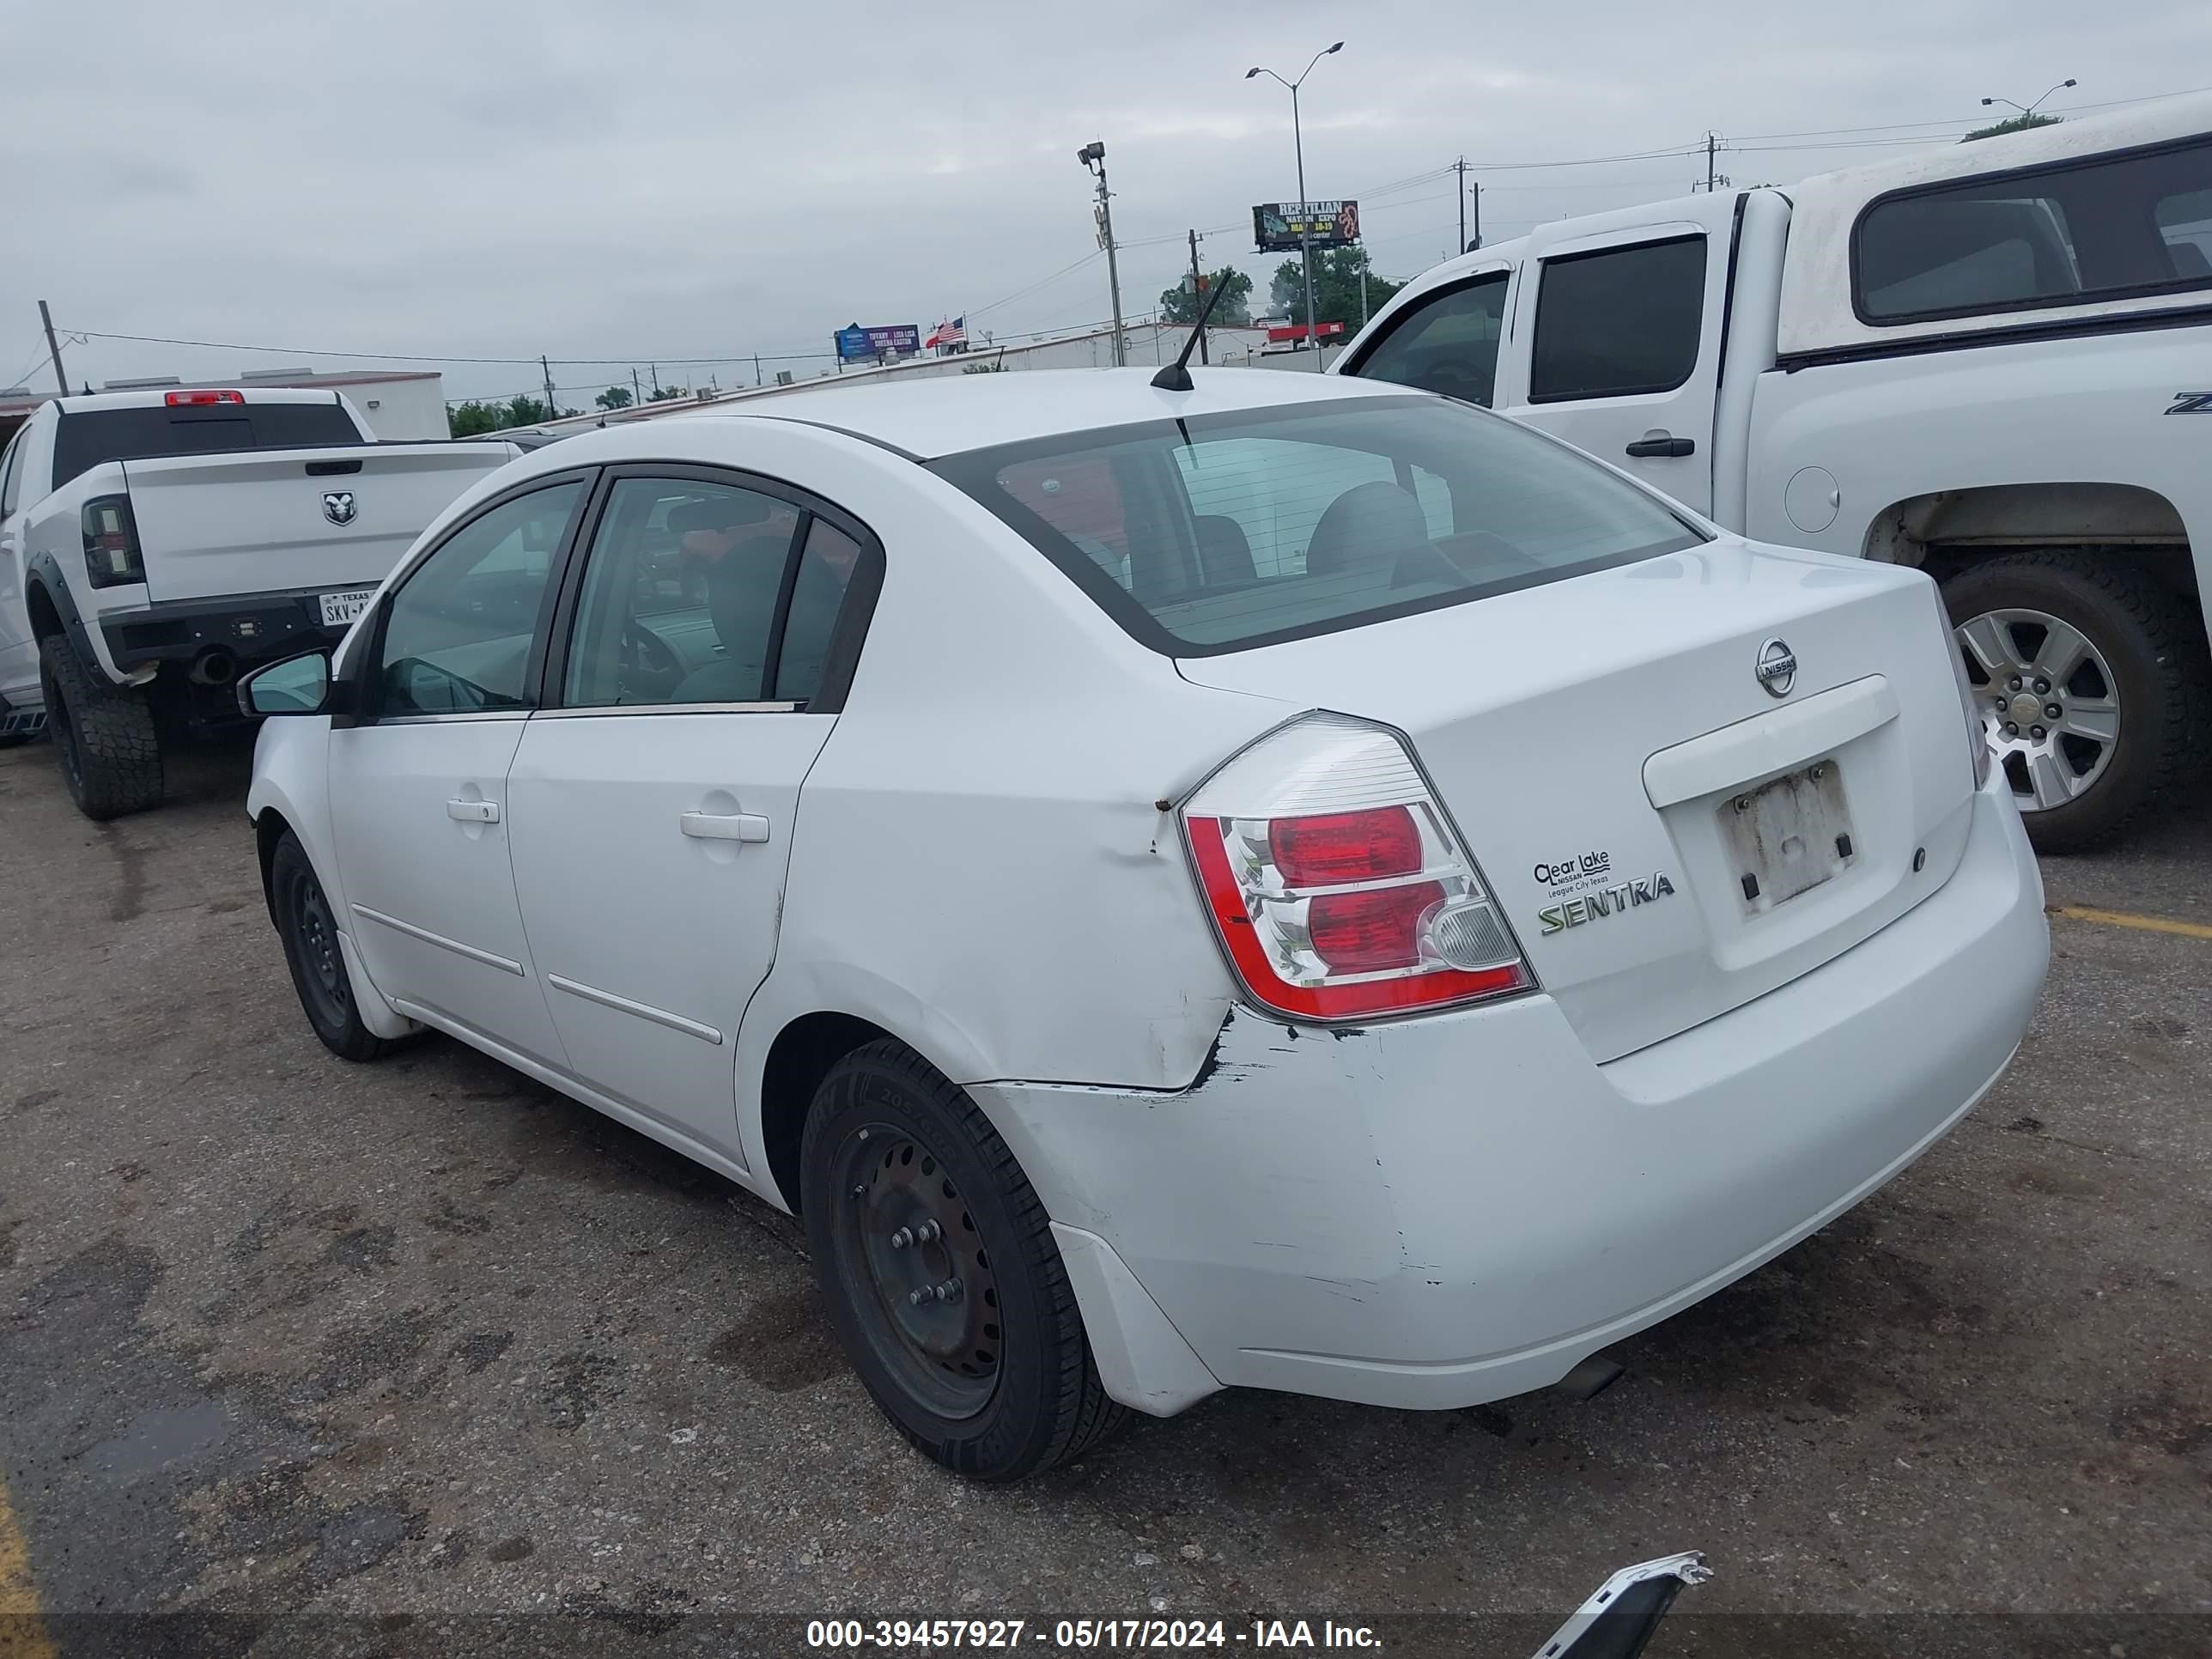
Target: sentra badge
{"points": [[1603, 901]]}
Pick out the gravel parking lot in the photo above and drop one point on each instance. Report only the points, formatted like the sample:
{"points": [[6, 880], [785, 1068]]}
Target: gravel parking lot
{"points": [[306, 1356]]}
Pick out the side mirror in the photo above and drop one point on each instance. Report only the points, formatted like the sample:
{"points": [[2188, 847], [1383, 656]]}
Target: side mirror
{"points": [[297, 686]]}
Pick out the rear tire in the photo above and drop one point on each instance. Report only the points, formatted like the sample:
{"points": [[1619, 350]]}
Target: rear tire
{"points": [[995, 1382], [2142, 677], [104, 736], [309, 931]]}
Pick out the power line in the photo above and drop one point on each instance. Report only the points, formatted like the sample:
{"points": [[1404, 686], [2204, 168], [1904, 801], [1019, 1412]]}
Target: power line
{"points": [[1023, 293]]}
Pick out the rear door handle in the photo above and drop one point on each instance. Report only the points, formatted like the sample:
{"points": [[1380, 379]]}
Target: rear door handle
{"points": [[724, 826], [1661, 444], [473, 811]]}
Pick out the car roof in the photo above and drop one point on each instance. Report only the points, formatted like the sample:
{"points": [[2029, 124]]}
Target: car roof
{"points": [[929, 418]]}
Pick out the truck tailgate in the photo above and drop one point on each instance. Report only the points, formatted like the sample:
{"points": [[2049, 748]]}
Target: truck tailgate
{"points": [[274, 520]]}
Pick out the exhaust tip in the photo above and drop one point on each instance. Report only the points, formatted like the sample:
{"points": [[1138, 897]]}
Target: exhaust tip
{"points": [[216, 668], [1591, 1378]]}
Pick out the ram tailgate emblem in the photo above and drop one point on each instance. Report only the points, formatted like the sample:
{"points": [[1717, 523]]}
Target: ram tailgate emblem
{"points": [[337, 507]]}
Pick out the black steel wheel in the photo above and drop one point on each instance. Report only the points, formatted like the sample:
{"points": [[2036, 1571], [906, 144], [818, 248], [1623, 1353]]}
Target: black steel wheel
{"points": [[942, 1276], [310, 932]]}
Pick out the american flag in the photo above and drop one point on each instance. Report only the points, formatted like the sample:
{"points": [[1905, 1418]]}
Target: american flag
{"points": [[953, 333]]}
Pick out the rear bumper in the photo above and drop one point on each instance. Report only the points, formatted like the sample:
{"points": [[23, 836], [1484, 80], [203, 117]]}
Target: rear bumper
{"points": [[1449, 1211], [249, 629]]}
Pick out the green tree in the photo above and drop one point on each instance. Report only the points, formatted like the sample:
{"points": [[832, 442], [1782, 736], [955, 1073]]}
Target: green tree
{"points": [[2019, 123], [1336, 288], [984, 368], [523, 410], [615, 397], [1179, 306], [473, 419], [661, 394]]}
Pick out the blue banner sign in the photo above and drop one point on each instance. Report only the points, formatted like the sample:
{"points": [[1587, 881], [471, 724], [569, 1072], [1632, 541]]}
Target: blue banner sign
{"points": [[855, 342]]}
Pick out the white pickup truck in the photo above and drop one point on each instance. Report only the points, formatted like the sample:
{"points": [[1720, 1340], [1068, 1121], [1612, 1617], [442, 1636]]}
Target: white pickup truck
{"points": [[156, 545], [1993, 362]]}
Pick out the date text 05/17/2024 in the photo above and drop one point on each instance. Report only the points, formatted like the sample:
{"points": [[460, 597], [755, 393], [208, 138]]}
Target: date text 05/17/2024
{"points": [[1123, 1633]]}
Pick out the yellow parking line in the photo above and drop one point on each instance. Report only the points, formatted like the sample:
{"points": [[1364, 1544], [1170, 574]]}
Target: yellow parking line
{"points": [[2128, 919], [22, 1630]]}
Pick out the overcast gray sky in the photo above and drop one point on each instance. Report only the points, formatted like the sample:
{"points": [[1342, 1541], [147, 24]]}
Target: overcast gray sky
{"points": [[679, 181]]}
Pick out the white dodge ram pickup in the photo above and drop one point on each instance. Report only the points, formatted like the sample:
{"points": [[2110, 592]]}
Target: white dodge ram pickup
{"points": [[154, 545], [1993, 361]]}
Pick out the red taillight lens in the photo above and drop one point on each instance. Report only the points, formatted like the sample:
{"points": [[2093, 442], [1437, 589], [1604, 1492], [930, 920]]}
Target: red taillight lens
{"points": [[192, 399], [1365, 932], [1344, 914], [1341, 847]]}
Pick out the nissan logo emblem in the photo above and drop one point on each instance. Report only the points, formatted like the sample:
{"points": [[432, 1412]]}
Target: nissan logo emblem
{"points": [[1778, 667]]}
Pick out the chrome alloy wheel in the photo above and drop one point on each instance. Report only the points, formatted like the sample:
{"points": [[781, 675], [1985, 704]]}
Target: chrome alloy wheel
{"points": [[2049, 702]]}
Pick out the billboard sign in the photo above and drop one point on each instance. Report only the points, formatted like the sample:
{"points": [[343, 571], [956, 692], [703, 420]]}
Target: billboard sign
{"points": [[1277, 226], [857, 344]]}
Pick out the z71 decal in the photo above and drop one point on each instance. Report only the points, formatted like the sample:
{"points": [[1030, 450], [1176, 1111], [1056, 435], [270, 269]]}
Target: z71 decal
{"points": [[2192, 402]]}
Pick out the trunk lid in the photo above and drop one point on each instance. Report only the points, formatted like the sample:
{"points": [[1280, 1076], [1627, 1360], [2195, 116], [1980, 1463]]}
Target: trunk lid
{"points": [[256, 522], [1593, 737]]}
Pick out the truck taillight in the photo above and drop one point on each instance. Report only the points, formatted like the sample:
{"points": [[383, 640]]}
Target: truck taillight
{"points": [[1336, 882], [111, 543], [197, 399]]}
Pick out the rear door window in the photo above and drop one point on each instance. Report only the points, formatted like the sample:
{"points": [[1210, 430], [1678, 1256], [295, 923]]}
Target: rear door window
{"points": [[2112, 227], [1446, 343], [86, 439], [1619, 321]]}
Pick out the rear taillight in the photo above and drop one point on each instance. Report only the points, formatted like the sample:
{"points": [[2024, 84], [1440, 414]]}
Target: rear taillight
{"points": [[198, 399], [1335, 880], [111, 542]]}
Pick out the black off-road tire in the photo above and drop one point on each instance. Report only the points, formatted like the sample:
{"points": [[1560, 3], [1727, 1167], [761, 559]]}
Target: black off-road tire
{"points": [[2156, 647], [104, 736], [309, 932], [1045, 1404]]}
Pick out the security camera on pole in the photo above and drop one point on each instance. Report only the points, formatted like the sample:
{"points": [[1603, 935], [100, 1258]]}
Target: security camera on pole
{"points": [[1093, 157], [1305, 241]]}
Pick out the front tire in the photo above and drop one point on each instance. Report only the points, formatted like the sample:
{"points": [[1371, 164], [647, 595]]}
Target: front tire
{"points": [[908, 1192], [2117, 658], [104, 736], [309, 930]]}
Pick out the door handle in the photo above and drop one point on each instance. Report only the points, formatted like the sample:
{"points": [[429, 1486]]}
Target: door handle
{"points": [[723, 826], [1660, 444], [473, 811]]}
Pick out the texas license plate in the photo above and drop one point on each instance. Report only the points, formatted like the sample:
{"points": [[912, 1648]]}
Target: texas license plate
{"points": [[341, 608], [1788, 837]]}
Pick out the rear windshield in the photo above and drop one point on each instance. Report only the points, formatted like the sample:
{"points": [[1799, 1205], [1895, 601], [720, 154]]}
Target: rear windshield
{"points": [[1226, 531], [83, 440]]}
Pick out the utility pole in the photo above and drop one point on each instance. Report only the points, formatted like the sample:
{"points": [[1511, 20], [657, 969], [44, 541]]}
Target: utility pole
{"points": [[53, 348], [636, 391], [550, 409], [656, 378], [1093, 157], [1460, 167], [757, 378], [1198, 293]]}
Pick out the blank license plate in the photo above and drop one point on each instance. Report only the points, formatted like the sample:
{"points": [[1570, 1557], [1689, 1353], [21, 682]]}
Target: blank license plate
{"points": [[1788, 837], [339, 609]]}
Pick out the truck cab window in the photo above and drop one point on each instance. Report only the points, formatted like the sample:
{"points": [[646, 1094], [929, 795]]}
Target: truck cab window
{"points": [[1618, 322], [1446, 343]]}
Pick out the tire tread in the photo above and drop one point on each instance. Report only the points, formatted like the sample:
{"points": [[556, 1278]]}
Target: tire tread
{"points": [[118, 750]]}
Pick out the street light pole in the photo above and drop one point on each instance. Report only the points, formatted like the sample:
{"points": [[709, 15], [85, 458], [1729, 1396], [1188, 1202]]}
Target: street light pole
{"points": [[1305, 232], [2028, 110]]}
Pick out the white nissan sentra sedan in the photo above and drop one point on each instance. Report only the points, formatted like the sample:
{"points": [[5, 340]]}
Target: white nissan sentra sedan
{"points": [[1281, 884]]}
